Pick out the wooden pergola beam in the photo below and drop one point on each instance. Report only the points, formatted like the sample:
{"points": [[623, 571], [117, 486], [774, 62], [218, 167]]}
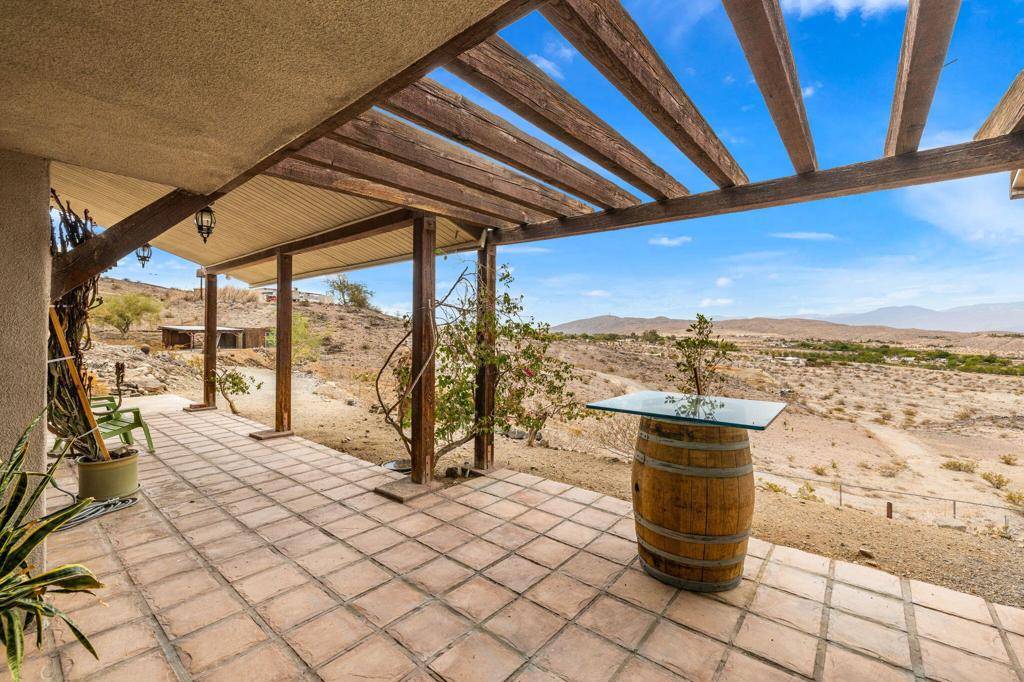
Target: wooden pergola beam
{"points": [[917, 168], [388, 136], [380, 169], [501, 71], [1008, 116], [104, 250], [330, 179], [360, 229], [762, 34], [282, 354], [1017, 184], [486, 372], [926, 36], [605, 33], [210, 340], [431, 105]]}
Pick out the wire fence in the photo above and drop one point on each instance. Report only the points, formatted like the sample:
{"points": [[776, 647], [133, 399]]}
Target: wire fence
{"points": [[837, 485]]}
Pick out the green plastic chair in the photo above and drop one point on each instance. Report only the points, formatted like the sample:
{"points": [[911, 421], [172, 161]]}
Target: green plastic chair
{"points": [[113, 421]]}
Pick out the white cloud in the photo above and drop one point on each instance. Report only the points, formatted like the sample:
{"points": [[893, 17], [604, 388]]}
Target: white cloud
{"points": [[545, 64], [715, 302], [805, 236], [525, 248], [560, 50], [808, 91], [723, 281], [596, 293], [975, 209], [729, 79], [843, 8], [669, 241]]}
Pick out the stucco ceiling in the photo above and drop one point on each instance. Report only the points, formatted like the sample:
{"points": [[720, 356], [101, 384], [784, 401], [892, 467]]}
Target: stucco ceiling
{"points": [[189, 94]]}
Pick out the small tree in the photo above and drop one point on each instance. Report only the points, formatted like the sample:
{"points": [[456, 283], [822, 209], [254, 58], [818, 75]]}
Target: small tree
{"points": [[699, 356], [531, 384], [125, 310], [651, 336], [230, 382], [350, 293]]}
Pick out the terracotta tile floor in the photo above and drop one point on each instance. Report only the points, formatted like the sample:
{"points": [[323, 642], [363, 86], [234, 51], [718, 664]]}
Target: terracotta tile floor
{"points": [[272, 560]]}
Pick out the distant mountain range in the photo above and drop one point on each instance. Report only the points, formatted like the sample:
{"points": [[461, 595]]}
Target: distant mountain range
{"points": [[1008, 317], [1005, 317]]}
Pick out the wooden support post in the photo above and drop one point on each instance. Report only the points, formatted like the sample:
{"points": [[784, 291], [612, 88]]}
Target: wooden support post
{"points": [[486, 373], [424, 231], [283, 353], [210, 340]]}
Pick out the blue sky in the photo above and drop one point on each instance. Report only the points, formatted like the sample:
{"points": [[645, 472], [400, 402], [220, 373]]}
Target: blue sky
{"points": [[939, 246]]}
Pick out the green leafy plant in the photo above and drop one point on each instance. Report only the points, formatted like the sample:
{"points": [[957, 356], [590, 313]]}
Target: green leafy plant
{"points": [[532, 385], [350, 293], [124, 311], [22, 594], [230, 382], [699, 356], [306, 343]]}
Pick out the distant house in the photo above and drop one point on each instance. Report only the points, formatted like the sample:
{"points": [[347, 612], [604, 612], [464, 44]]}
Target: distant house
{"points": [[270, 296], [184, 336]]}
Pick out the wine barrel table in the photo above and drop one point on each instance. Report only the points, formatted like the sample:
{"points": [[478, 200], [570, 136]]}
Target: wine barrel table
{"points": [[693, 484]]}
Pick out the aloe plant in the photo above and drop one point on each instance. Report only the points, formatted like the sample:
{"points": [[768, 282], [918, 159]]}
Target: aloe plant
{"points": [[22, 594]]}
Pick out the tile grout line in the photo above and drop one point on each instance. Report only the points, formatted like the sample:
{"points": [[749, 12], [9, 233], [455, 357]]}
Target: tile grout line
{"points": [[1015, 663], [826, 616], [916, 659]]}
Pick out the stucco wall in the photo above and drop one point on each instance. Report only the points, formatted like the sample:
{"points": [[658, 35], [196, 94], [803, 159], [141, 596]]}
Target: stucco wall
{"points": [[24, 297]]}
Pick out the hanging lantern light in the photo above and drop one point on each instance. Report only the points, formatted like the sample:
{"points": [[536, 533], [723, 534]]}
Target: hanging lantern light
{"points": [[144, 253], [205, 222]]}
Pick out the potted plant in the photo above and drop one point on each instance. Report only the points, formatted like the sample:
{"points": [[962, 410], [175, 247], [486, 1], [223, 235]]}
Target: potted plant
{"points": [[22, 592]]}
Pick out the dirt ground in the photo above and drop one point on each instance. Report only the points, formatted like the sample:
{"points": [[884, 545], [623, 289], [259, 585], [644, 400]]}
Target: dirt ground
{"points": [[887, 428]]}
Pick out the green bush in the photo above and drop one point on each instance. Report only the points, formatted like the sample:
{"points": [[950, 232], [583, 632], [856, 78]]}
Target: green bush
{"points": [[124, 311]]}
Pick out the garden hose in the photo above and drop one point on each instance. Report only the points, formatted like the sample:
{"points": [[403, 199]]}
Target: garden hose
{"points": [[94, 510]]}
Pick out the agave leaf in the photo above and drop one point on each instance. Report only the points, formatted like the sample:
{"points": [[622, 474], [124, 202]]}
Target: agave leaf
{"points": [[13, 463], [14, 501], [69, 577], [46, 525], [39, 489], [79, 635], [14, 642]]}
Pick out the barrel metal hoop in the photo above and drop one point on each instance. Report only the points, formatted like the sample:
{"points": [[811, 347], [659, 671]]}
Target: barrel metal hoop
{"points": [[688, 561], [689, 537], [698, 472], [694, 445], [691, 585]]}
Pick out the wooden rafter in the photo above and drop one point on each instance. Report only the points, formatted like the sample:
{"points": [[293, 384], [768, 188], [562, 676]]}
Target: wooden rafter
{"points": [[399, 141], [447, 113], [1017, 184], [926, 37], [1008, 116], [104, 251], [106, 248], [934, 165], [603, 31], [369, 166], [762, 34], [499, 70], [360, 229], [336, 181]]}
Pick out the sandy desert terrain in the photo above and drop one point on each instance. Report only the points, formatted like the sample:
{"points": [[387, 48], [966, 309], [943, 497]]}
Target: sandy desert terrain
{"points": [[872, 433]]}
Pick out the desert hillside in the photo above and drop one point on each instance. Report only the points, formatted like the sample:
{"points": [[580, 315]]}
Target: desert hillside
{"points": [[918, 422]]}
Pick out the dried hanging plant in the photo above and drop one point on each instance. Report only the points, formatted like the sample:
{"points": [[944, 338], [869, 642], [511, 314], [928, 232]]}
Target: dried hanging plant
{"points": [[67, 418]]}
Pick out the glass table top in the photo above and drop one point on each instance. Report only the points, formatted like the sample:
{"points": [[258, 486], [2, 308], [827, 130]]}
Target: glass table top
{"points": [[695, 409]]}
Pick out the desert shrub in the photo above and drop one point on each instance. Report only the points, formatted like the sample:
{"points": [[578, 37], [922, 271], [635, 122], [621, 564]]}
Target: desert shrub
{"points": [[123, 311], [772, 487], [1009, 460], [819, 469], [893, 468], [965, 465], [651, 336], [230, 382], [997, 481], [1015, 497], [238, 295], [964, 413], [806, 492], [699, 356], [306, 343]]}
